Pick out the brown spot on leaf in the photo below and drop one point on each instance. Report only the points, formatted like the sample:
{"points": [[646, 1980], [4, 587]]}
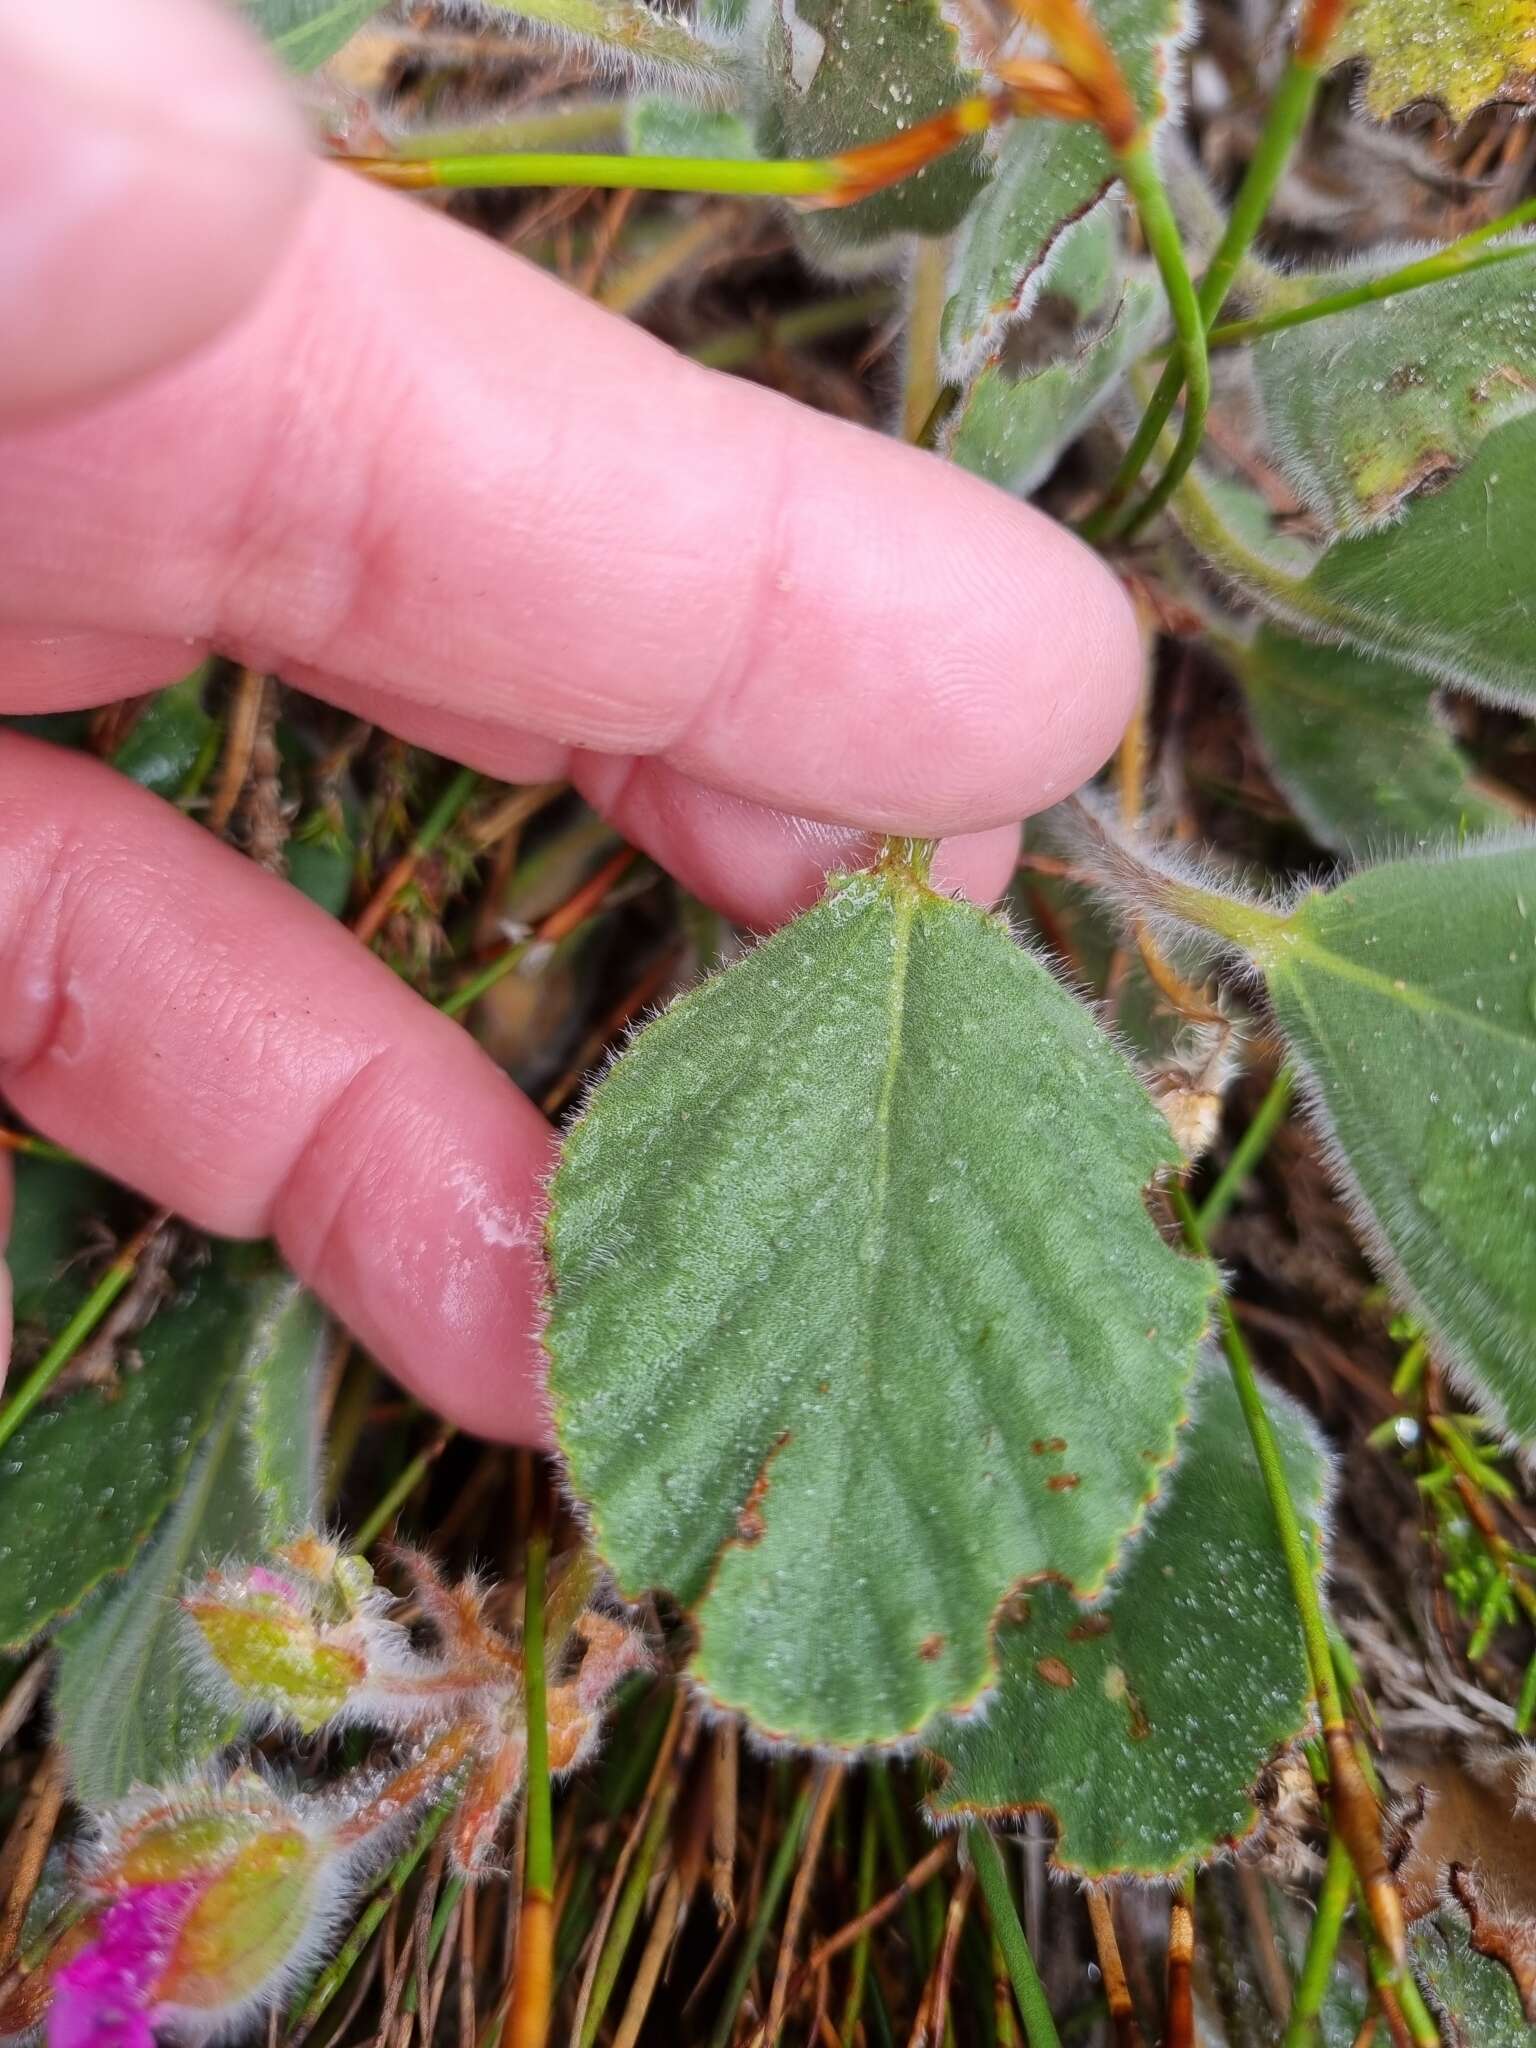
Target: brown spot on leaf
{"points": [[1406, 377], [750, 1525], [930, 1649], [1015, 1610], [1430, 472], [1090, 1626], [1118, 1687], [1062, 1482], [1055, 1672], [1042, 1444]]}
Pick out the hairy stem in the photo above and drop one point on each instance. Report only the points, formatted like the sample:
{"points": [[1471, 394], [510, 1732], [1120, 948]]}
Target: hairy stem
{"points": [[992, 1876], [1191, 367], [1471, 252]]}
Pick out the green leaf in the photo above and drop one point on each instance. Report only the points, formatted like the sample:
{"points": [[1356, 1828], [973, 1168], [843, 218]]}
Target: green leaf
{"points": [[841, 72], [128, 1703], [1372, 407], [647, 38], [1461, 53], [1448, 591], [55, 1204], [1048, 175], [859, 1317], [304, 33], [1474, 1996], [169, 736], [1358, 747], [654, 126], [1141, 1725], [1012, 427], [284, 1358], [1408, 996], [87, 1477]]}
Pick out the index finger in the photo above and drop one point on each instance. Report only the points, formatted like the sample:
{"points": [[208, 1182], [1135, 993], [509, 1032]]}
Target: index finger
{"points": [[426, 479]]}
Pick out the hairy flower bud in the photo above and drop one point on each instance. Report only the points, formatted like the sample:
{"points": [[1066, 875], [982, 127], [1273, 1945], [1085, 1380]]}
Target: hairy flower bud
{"points": [[200, 1905], [300, 1637]]}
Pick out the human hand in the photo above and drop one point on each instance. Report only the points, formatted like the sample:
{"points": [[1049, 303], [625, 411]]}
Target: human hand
{"points": [[249, 404]]}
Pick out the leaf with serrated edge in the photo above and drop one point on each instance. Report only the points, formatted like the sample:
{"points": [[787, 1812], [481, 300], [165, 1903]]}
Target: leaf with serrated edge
{"points": [[1141, 1725], [1449, 590], [1358, 747], [1407, 995], [841, 72], [128, 1705], [859, 1319], [1048, 175], [1370, 407], [1459, 53], [89, 1474]]}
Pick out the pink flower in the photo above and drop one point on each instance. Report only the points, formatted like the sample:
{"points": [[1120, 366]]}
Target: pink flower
{"points": [[102, 1996]]}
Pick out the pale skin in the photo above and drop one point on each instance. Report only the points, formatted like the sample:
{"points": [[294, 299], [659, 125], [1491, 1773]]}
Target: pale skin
{"points": [[249, 405]]}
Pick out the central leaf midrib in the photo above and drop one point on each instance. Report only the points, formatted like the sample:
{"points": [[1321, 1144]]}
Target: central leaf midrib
{"points": [[1411, 995], [903, 910]]}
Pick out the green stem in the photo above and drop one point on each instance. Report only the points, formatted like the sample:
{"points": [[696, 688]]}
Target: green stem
{"points": [[1191, 366], [445, 811], [927, 289], [739, 346], [1247, 1152], [1454, 260], [539, 1848], [1287, 117], [774, 1887], [85, 1320], [533, 1968], [858, 1969], [749, 178], [26, 1146], [626, 1913], [1298, 1562], [992, 1876], [563, 127], [1322, 1947], [400, 1492]]}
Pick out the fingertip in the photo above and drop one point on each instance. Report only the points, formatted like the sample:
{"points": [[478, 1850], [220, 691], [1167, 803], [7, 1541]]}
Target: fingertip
{"points": [[977, 865], [155, 168]]}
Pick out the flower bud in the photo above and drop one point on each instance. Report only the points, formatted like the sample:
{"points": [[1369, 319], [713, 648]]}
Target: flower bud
{"points": [[294, 1641], [199, 1906]]}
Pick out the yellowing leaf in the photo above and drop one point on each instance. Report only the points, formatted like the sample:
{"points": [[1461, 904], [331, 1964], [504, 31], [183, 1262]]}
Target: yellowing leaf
{"points": [[1462, 53]]}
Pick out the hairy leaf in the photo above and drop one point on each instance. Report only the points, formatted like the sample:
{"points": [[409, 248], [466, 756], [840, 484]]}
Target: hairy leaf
{"points": [[655, 126], [87, 1476], [1370, 408], [1141, 1725], [128, 1704], [1462, 53], [859, 1318], [1408, 996], [1474, 1997], [1449, 590], [1048, 175], [1359, 748], [840, 72], [646, 38], [304, 33], [281, 1373], [1013, 427]]}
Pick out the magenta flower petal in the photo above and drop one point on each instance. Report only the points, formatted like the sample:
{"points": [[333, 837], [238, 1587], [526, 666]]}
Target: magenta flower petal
{"points": [[102, 1996]]}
